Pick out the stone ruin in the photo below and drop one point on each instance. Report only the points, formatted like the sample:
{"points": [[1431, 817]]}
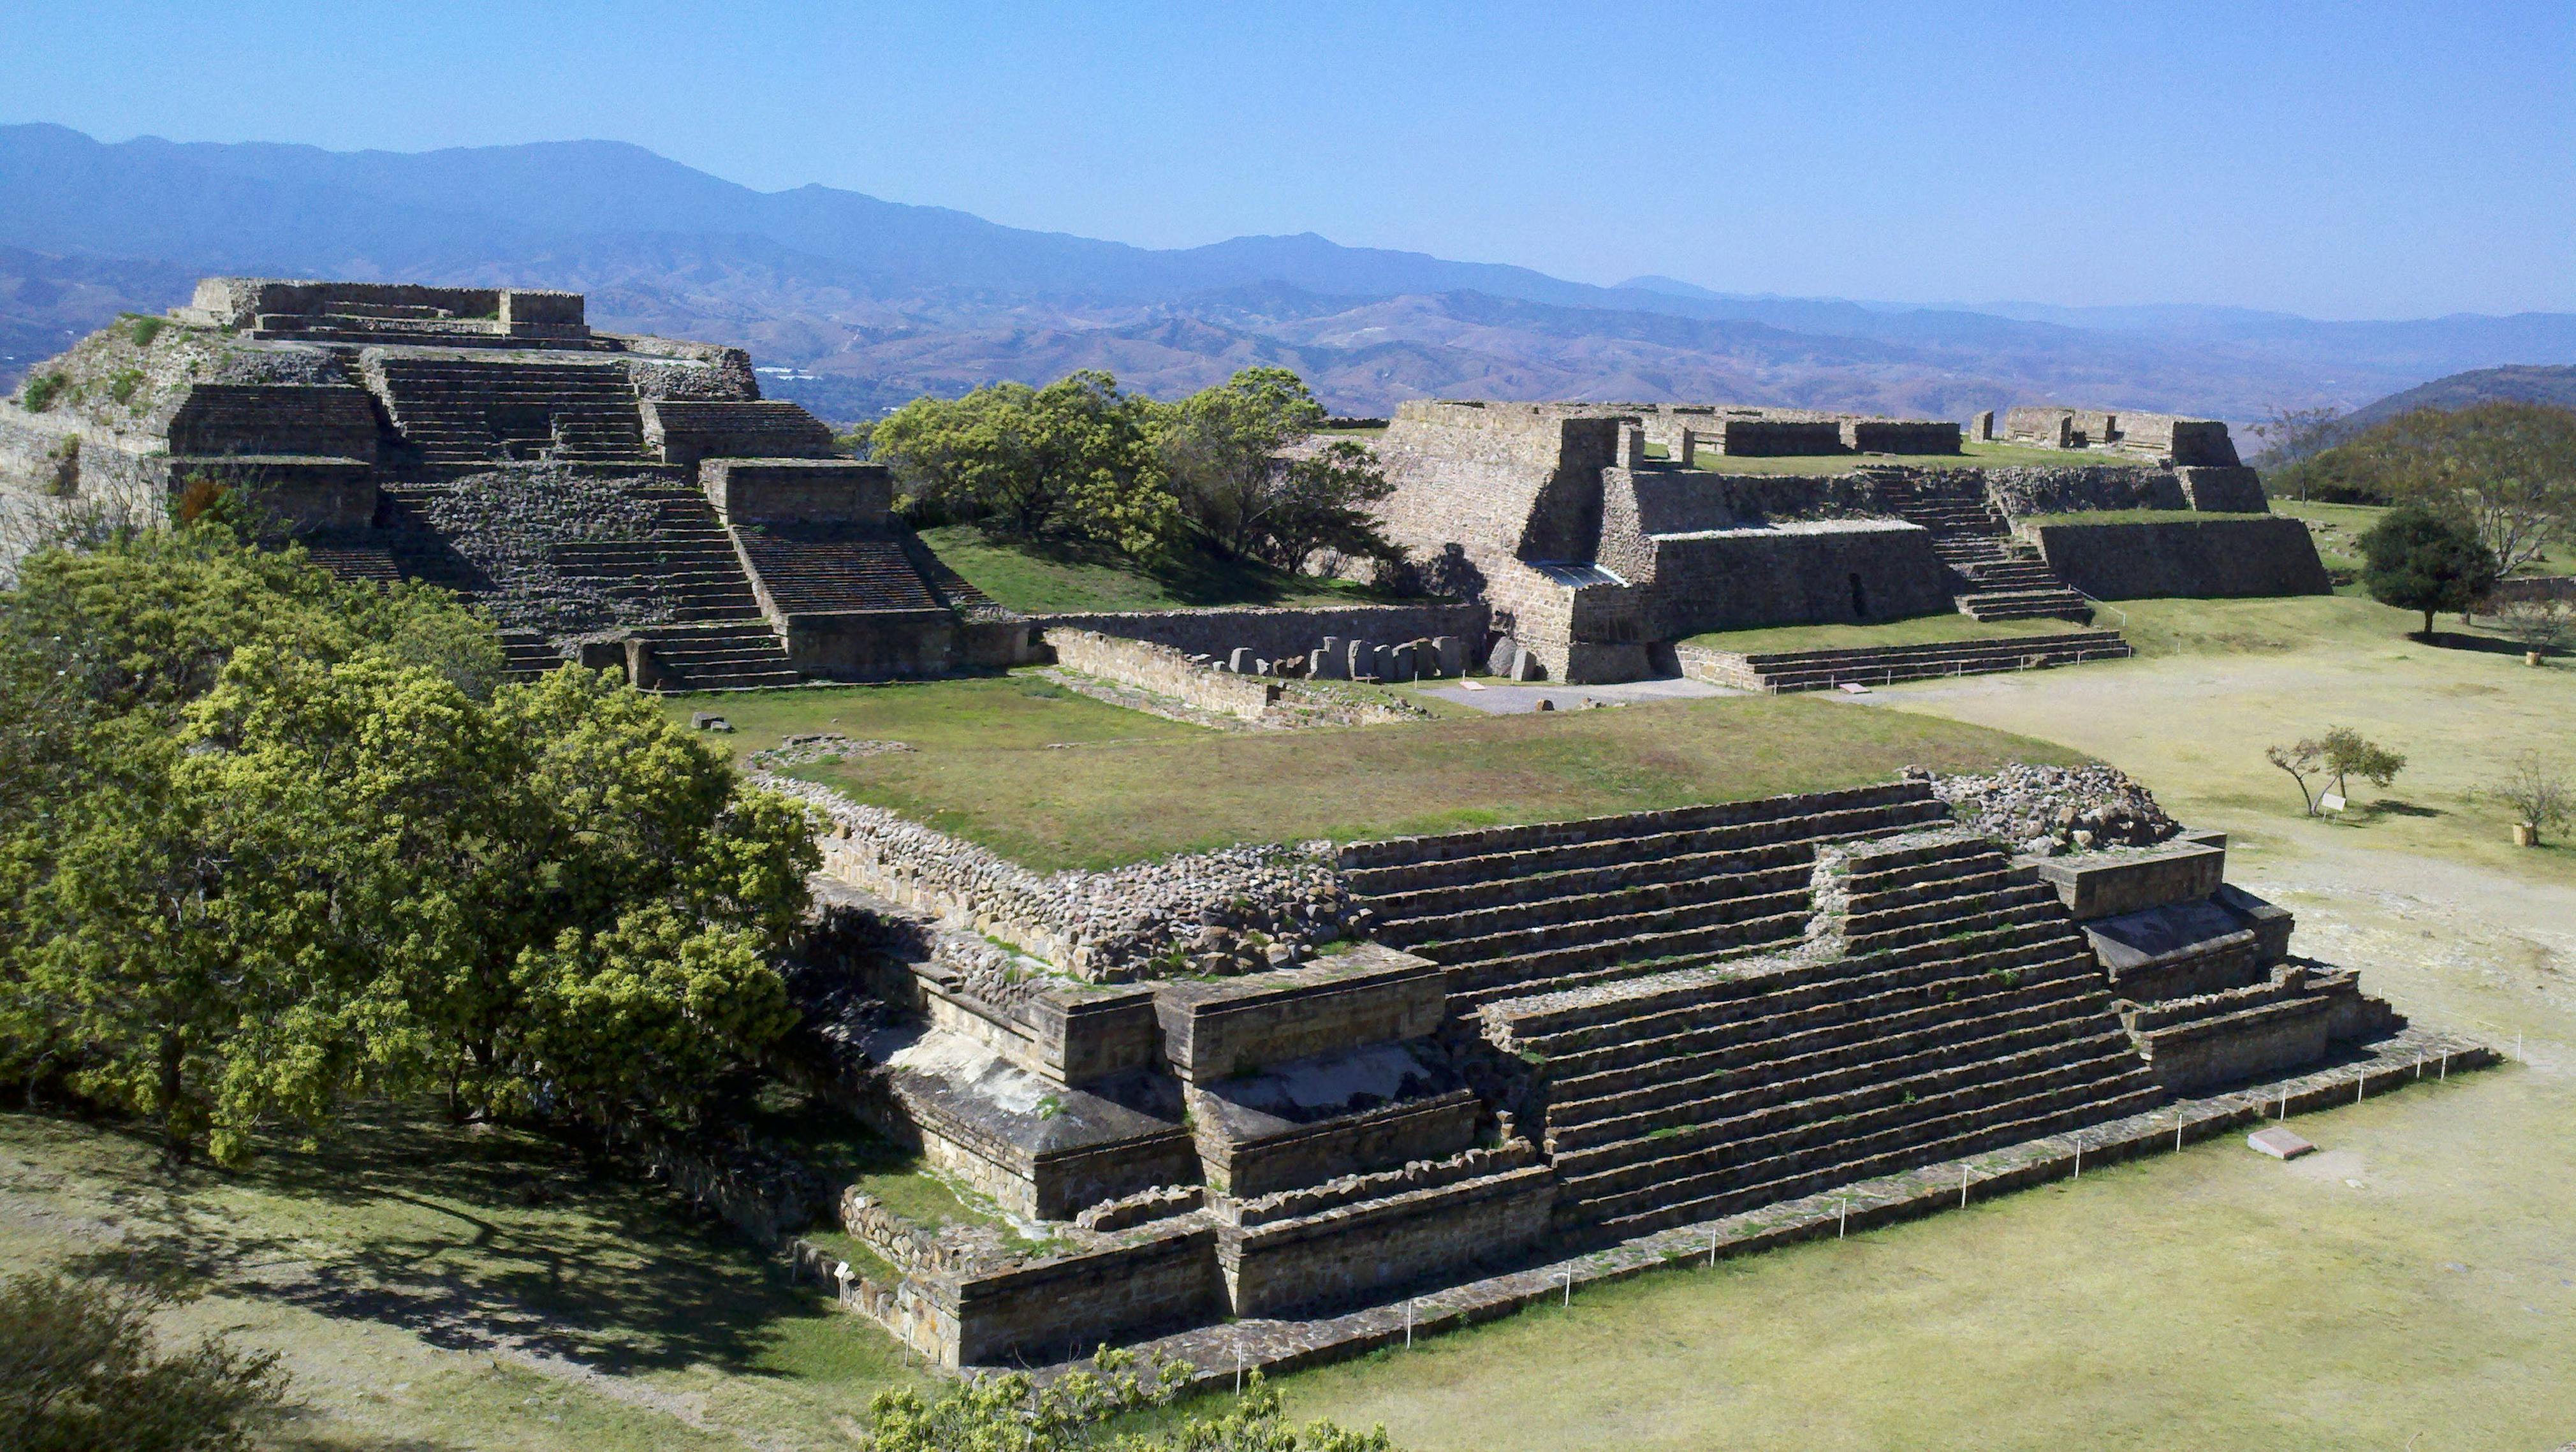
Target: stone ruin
{"points": [[1596, 554], [1248, 1106], [609, 498]]}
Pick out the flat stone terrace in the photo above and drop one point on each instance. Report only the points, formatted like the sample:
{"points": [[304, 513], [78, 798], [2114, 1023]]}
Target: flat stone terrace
{"points": [[1218, 1355]]}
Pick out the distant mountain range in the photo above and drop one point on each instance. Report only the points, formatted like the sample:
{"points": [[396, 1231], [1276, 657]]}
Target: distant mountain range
{"points": [[856, 304]]}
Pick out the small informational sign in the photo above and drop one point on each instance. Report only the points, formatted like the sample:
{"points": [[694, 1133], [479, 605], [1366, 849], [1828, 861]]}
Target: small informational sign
{"points": [[1853, 688], [2329, 802]]}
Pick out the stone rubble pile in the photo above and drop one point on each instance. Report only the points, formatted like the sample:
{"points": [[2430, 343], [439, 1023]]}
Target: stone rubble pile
{"points": [[1239, 909], [2046, 811], [506, 520], [814, 746]]}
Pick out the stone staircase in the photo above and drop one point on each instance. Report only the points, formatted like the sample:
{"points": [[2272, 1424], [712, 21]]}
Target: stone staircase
{"points": [[713, 635], [462, 415], [1513, 911], [1947, 1005], [2004, 578], [1818, 670], [824, 569]]}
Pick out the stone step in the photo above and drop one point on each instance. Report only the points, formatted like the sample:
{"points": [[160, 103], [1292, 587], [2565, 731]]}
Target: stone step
{"points": [[1985, 1115], [1484, 920], [1904, 806], [1866, 1096], [2044, 909], [2028, 1015], [1475, 984], [1530, 887], [1704, 1008], [1793, 1177], [1615, 929]]}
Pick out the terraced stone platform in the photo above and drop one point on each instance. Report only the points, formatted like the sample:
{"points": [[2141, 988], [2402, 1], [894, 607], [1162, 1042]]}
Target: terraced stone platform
{"points": [[2000, 578], [1776, 672]]}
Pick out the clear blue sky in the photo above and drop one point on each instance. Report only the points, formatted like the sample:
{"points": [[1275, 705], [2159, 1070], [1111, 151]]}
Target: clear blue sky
{"points": [[2339, 160]]}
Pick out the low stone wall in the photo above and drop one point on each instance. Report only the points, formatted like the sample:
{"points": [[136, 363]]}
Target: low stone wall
{"points": [[1372, 1140], [1170, 1280], [2195, 558], [1343, 1255], [1139, 921], [2078, 489], [1275, 633], [1162, 669]]}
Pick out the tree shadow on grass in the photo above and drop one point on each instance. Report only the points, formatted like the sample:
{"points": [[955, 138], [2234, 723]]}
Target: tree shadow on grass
{"points": [[491, 1241], [2478, 644], [1197, 573]]}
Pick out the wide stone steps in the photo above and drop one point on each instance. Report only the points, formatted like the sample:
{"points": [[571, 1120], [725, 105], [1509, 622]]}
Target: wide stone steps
{"points": [[1373, 875], [1473, 985], [1616, 928], [1589, 905], [828, 571], [1709, 1015], [2105, 1083], [2027, 605], [1793, 1176], [722, 658], [445, 408], [1852, 1104], [1828, 1048], [1819, 670], [1506, 891]]}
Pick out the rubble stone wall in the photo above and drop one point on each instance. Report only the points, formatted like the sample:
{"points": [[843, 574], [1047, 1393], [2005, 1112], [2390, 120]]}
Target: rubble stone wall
{"points": [[1276, 633]]}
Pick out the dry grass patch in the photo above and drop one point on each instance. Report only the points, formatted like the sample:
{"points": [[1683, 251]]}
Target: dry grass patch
{"points": [[1133, 799]]}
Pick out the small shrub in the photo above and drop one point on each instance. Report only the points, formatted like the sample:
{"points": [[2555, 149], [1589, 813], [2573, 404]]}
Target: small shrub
{"points": [[2538, 794], [122, 385], [144, 330], [2539, 625], [42, 390], [78, 1369]]}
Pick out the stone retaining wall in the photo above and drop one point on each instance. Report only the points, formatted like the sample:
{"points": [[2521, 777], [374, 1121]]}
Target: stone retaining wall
{"points": [[2196, 558], [1144, 920], [1276, 633], [1162, 669]]}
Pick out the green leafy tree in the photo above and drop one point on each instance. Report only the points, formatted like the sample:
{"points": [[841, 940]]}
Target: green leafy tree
{"points": [[1014, 1413], [2345, 753], [1075, 458], [79, 1373], [2507, 470], [2417, 559], [1240, 462], [2291, 437], [287, 841]]}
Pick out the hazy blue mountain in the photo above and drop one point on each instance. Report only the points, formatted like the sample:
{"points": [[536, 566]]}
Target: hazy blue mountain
{"points": [[879, 299]]}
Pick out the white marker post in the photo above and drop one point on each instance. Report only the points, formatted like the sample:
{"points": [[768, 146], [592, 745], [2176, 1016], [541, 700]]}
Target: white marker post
{"points": [[1963, 1187], [2079, 1157], [1569, 1290], [1842, 1219], [1408, 1325]]}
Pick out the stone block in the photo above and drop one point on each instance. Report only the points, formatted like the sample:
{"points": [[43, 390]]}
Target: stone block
{"points": [[1450, 655], [1399, 663], [1372, 994], [2280, 1142], [1381, 665], [2271, 924], [1239, 661], [2108, 884], [1362, 660]]}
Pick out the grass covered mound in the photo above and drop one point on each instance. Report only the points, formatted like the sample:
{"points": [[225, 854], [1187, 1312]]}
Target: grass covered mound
{"points": [[1054, 781], [1042, 576]]}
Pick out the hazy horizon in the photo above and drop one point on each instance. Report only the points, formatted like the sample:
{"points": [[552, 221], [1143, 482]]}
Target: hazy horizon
{"points": [[2343, 163]]}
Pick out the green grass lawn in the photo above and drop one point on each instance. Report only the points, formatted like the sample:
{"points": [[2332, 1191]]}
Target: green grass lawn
{"points": [[1051, 577], [1153, 792], [1971, 456], [1018, 712], [1943, 629]]}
